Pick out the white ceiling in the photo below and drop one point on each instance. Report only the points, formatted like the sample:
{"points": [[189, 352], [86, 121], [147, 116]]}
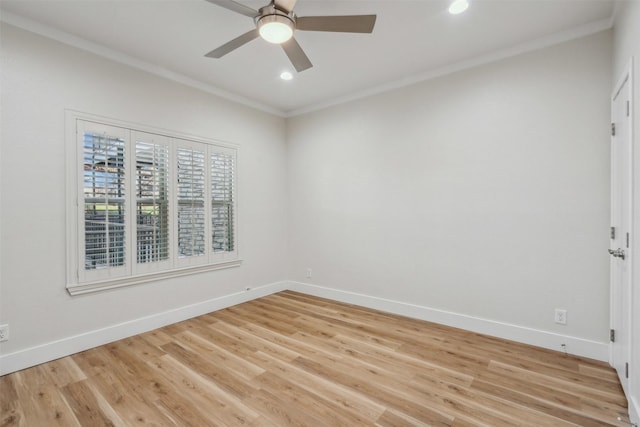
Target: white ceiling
{"points": [[413, 39]]}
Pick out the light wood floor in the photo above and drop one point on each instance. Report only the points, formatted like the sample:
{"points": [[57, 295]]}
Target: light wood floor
{"points": [[294, 360]]}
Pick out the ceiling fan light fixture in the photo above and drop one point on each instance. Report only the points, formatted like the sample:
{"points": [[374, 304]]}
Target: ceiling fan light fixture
{"points": [[275, 28], [458, 6]]}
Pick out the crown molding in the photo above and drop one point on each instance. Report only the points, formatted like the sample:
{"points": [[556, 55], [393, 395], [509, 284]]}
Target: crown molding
{"points": [[122, 58], [540, 43]]}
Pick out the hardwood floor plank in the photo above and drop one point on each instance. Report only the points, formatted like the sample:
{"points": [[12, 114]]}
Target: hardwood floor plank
{"points": [[291, 359], [183, 413], [464, 404], [604, 373], [242, 343], [552, 395], [104, 406], [10, 409], [218, 355], [156, 337], [218, 374], [11, 414], [270, 342], [62, 372], [604, 411], [356, 404], [391, 418], [239, 339], [270, 321], [476, 406], [141, 348], [600, 392], [536, 403], [385, 395], [394, 360], [221, 407], [85, 405], [125, 393], [262, 421], [325, 411], [41, 401], [281, 412]]}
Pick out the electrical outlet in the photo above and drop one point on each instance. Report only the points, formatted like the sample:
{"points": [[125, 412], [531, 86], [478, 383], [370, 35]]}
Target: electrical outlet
{"points": [[4, 333], [560, 316], [309, 273]]}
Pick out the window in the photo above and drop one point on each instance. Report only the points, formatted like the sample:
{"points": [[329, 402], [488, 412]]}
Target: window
{"points": [[147, 205]]}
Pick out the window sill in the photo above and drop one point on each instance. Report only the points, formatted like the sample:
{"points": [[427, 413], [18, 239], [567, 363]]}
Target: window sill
{"points": [[86, 288]]}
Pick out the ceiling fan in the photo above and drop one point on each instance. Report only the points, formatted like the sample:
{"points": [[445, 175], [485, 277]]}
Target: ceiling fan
{"points": [[277, 22]]}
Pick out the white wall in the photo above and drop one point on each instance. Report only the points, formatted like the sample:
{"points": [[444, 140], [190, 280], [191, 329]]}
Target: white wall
{"points": [[483, 193], [627, 45], [40, 79]]}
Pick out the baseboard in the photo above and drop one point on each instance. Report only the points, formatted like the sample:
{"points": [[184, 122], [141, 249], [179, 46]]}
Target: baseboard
{"points": [[46, 352], [26, 358], [539, 338]]}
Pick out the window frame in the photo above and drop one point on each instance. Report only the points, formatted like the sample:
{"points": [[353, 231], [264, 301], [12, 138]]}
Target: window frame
{"points": [[80, 280]]}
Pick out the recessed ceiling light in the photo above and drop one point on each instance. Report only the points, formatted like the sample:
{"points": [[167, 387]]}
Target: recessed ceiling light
{"points": [[458, 6], [286, 75]]}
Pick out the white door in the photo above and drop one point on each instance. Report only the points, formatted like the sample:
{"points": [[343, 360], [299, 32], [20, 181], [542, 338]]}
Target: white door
{"points": [[621, 178]]}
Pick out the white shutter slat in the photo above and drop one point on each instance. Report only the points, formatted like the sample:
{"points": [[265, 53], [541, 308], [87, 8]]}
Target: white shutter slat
{"points": [[222, 182], [104, 201], [191, 212], [152, 202]]}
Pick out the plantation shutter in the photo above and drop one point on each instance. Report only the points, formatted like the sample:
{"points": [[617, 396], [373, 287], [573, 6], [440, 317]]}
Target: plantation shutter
{"points": [[146, 206], [222, 202], [104, 193], [191, 202], [152, 199]]}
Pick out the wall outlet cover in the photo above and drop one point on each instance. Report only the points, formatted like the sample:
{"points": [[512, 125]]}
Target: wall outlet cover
{"points": [[560, 316], [4, 333]]}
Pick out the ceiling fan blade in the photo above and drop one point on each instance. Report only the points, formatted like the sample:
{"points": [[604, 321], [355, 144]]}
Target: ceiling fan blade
{"points": [[285, 5], [342, 24], [236, 7], [233, 44], [296, 55]]}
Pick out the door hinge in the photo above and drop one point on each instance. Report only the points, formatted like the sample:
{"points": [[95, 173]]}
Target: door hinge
{"points": [[626, 370], [612, 335], [612, 233], [613, 129], [627, 240]]}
